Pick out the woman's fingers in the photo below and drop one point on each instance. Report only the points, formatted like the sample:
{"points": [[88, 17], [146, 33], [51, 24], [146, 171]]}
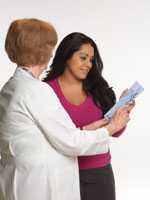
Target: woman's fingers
{"points": [[97, 124], [123, 93]]}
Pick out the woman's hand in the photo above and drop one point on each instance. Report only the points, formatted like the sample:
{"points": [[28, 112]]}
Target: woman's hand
{"points": [[119, 119], [132, 103], [123, 93], [95, 125]]}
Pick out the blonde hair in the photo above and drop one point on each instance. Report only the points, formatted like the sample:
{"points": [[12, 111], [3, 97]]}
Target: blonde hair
{"points": [[30, 41]]}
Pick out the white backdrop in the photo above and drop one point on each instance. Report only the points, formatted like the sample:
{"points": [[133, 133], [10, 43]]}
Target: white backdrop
{"points": [[121, 30]]}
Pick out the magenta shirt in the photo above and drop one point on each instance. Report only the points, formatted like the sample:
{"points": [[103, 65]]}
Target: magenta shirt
{"points": [[82, 115]]}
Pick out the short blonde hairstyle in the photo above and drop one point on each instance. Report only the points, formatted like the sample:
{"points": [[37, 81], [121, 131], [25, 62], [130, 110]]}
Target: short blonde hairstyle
{"points": [[30, 41]]}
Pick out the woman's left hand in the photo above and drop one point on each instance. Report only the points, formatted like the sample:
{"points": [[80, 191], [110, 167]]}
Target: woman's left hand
{"points": [[95, 125], [131, 104], [123, 93]]}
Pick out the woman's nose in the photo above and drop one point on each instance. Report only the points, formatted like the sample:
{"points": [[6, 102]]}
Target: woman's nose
{"points": [[89, 64]]}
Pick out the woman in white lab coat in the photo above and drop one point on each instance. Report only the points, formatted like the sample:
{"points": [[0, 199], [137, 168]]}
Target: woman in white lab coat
{"points": [[39, 143]]}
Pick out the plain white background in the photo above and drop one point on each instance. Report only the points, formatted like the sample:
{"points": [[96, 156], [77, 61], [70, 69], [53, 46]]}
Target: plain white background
{"points": [[121, 30]]}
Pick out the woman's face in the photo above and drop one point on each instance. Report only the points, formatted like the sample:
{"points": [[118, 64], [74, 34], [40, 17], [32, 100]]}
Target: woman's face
{"points": [[80, 63]]}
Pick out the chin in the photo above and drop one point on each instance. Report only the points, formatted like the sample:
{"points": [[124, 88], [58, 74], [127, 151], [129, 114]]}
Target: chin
{"points": [[83, 77]]}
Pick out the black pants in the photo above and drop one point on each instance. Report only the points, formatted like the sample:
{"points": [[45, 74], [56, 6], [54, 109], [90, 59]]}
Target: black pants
{"points": [[97, 184]]}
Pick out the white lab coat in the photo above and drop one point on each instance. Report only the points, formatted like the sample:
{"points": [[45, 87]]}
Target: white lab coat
{"points": [[39, 143]]}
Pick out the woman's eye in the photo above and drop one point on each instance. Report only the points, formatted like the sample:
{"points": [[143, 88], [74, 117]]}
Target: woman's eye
{"points": [[83, 58]]}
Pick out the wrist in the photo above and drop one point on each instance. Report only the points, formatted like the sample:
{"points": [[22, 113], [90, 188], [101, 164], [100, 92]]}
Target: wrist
{"points": [[111, 128]]}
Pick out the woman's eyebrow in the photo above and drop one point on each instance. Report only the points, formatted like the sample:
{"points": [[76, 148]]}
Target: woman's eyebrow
{"points": [[86, 54]]}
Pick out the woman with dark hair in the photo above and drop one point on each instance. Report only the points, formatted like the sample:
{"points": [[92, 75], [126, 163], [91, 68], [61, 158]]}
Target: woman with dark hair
{"points": [[76, 77]]}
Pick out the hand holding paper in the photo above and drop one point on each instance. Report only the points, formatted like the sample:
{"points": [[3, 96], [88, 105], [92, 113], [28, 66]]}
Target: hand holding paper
{"points": [[132, 93]]}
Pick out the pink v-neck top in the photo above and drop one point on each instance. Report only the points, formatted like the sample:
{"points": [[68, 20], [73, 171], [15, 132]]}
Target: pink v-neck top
{"points": [[82, 115]]}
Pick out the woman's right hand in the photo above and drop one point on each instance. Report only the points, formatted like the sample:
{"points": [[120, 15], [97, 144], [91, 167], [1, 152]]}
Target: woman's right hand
{"points": [[119, 119]]}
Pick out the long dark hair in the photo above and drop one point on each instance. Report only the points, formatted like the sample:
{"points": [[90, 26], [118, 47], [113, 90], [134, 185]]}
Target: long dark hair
{"points": [[94, 84]]}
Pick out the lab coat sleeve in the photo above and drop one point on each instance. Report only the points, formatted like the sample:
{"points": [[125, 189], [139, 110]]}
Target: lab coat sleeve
{"points": [[60, 131]]}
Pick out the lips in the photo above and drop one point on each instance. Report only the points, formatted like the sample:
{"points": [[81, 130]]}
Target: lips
{"points": [[86, 71]]}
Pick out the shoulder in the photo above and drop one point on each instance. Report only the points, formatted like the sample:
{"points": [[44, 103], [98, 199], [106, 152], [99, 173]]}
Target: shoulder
{"points": [[40, 94], [52, 83], [29, 91]]}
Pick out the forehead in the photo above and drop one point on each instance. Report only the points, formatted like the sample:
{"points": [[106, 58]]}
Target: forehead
{"points": [[86, 49]]}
